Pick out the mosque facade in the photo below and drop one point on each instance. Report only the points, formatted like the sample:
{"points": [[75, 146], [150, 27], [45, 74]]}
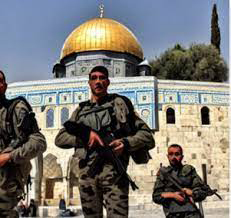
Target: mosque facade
{"points": [[192, 114]]}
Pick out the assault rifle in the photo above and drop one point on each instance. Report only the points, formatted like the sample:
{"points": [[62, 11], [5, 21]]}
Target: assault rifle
{"points": [[106, 154], [174, 180]]}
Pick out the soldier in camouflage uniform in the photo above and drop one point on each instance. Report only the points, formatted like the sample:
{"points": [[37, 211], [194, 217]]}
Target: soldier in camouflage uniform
{"points": [[103, 114], [179, 203], [15, 163]]}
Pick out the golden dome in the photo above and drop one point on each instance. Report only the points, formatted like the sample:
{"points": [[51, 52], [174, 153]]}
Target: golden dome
{"points": [[102, 34]]}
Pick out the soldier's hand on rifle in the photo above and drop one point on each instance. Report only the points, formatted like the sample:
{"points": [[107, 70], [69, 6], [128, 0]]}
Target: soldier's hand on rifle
{"points": [[179, 196], [94, 140], [187, 191], [4, 158], [118, 146]]}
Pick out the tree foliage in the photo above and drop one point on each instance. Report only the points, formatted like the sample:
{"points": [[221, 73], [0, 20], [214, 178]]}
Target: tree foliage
{"points": [[215, 30], [198, 63]]}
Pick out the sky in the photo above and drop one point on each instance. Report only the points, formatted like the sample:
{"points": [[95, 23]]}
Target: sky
{"points": [[32, 32]]}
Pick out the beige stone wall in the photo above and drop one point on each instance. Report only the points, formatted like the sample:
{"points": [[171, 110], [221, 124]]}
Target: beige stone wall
{"points": [[202, 144]]}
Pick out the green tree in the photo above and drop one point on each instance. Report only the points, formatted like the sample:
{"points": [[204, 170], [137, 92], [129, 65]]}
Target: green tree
{"points": [[208, 64], [215, 30], [173, 64], [199, 63]]}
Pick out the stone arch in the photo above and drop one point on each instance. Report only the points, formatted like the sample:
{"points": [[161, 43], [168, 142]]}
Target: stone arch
{"points": [[52, 180]]}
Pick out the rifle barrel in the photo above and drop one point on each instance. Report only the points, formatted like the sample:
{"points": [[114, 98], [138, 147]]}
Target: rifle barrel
{"points": [[204, 172], [218, 196]]}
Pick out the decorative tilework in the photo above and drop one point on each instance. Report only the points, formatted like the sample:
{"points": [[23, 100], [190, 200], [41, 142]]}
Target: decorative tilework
{"points": [[16, 95], [166, 96], [50, 99], [80, 96], [146, 113], [161, 97], [170, 97], [189, 98], [144, 97], [129, 94], [65, 98], [140, 90], [35, 99], [221, 99], [206, 99]]}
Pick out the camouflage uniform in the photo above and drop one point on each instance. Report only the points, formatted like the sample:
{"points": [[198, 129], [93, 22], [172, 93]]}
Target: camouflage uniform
{"points": [[112, 113], [14, 174], [189, 179]]}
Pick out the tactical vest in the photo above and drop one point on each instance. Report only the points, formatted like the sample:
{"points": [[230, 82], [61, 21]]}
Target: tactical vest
{"points": [[112, 116], [185, 180], [13, 177]]}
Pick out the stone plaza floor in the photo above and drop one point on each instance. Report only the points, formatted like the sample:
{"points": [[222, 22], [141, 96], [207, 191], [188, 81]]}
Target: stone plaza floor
{"points": [[212, 209], [158, 213]]}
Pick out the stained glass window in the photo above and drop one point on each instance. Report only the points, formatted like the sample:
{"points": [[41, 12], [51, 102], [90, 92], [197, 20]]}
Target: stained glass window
{"points": [[50, 118], [64, 115]]}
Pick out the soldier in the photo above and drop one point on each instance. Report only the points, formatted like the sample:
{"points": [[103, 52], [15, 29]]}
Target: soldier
{"points": [[178, 199], [104, 124], [19, 143]]}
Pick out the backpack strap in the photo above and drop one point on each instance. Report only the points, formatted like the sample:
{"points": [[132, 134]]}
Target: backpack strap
{"points": [[142, 155]]}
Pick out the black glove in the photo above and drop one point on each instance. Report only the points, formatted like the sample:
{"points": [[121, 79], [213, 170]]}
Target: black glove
{"points": [[78, 129]]}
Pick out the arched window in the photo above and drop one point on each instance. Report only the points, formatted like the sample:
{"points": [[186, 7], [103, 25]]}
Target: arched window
{"points": [[50, 118], [205, 116], [64, 115], [170, 115]]}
